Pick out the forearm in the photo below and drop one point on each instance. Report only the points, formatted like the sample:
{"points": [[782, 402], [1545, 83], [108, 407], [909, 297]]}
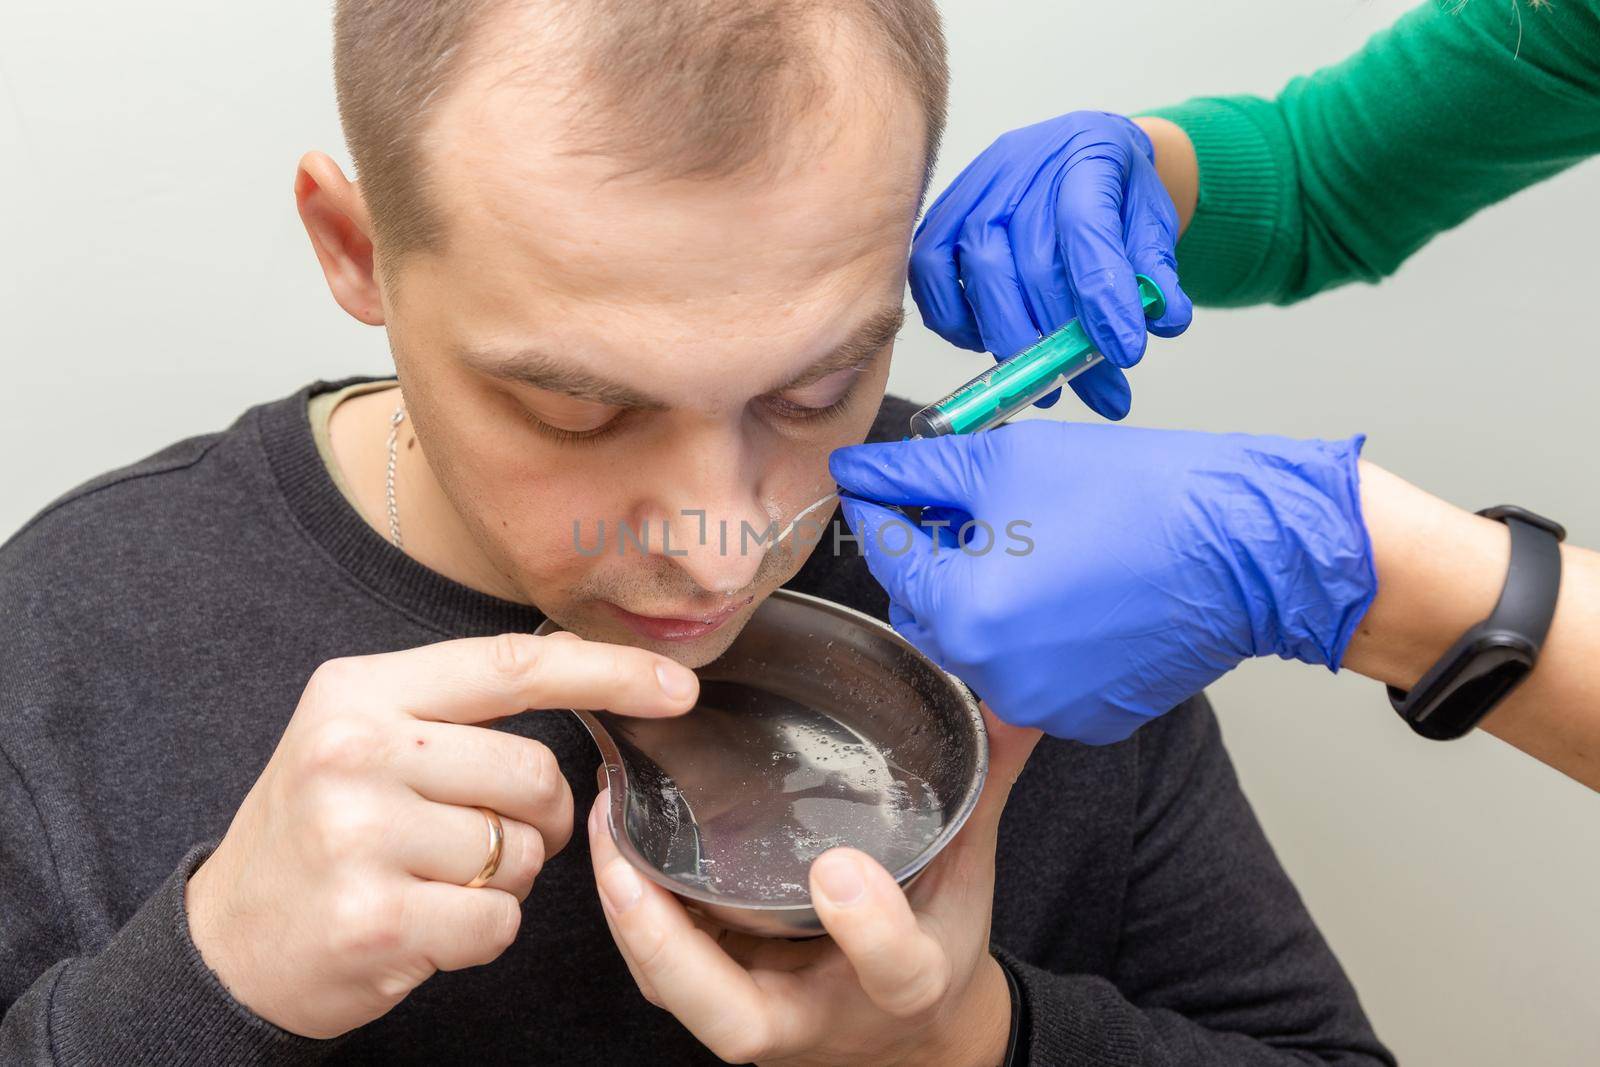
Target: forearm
{"points": [[1175, 164], [1085, 1021], [1351, 169], [146, 997], [1440, 571], [978, 1038], [1196, 978]]}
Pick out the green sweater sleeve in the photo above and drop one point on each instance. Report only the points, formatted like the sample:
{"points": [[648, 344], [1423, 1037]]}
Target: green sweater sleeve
{"points": [[1353, 168]]}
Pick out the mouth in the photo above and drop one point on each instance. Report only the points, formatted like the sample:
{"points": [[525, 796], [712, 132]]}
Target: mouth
{"points": [[686, 625]]}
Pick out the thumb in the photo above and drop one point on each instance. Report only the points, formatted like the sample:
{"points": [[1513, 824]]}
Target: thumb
{"points": [[1009, 749], [1151, 243], [966, 867], [904, 559], [934, 471], [1156, 263]]}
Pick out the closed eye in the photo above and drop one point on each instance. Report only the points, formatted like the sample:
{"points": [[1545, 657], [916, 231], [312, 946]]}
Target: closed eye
{"points": [[569, 420], [559, 433], [820, 399]]}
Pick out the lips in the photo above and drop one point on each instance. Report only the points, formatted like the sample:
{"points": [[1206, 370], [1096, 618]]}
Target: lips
{"points": [[685, 626]]}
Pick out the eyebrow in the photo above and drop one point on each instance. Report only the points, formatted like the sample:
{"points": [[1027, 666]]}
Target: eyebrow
{"points": [[540, 370], [866, 341]]}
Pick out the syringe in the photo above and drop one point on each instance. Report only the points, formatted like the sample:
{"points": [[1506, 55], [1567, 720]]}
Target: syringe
{"points": [[1011, 385]]}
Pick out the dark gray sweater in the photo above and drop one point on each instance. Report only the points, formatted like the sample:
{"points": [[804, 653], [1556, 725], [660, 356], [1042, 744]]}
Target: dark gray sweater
{"points": [[160, 623]]}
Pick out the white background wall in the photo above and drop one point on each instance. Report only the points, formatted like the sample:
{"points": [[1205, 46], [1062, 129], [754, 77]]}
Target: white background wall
{"points": [[154, 281]]}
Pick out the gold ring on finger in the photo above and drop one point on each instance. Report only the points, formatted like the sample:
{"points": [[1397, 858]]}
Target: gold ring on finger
{"points": [[497, 839]]}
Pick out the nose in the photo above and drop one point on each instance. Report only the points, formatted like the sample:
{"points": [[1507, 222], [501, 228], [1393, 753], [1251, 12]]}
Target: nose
{"points": [[718, 528]]}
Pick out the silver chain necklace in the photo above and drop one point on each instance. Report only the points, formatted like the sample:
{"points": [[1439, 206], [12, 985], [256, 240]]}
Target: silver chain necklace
{"points": [[395, 420]]}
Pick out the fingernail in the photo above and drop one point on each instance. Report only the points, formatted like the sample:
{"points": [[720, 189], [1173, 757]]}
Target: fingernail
{"points": [[594, 817], [675, 681], [840, 880], [620, 883]]}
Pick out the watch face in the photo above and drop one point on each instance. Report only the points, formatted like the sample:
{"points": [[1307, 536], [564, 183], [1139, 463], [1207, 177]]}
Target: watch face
{"points": [[1476, 679]]}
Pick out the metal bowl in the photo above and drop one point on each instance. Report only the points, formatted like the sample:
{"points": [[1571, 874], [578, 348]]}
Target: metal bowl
{"points": [[820, 726]]}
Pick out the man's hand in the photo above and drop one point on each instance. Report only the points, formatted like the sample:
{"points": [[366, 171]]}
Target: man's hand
{"points": [[339, 886], [1050, 223], [904, 979]]}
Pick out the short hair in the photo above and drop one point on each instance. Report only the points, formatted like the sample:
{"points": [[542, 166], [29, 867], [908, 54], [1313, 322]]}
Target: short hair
{"points": [[686, 88]]}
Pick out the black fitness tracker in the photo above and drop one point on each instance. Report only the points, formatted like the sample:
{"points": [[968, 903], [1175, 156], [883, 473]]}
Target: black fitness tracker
{"points": [[1492, 658]]}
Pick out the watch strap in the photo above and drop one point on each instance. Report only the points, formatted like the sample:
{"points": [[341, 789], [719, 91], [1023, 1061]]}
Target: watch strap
{"points": [[1527, 601], [1015, 1055], [1493, 657]]}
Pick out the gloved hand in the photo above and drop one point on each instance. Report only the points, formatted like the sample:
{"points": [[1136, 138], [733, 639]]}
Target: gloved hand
{"points": [[1050, 223], [1120, 571]]}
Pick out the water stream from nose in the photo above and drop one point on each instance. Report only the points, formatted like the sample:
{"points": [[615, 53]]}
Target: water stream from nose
{"points": [[807, 510]]}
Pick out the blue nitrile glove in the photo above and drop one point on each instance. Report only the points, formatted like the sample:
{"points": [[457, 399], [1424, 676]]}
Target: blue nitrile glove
{"points": [[1127, 569], [1050, 223]]}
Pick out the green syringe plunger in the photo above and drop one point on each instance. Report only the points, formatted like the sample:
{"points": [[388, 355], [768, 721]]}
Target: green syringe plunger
{"points": [[1011, 385]]}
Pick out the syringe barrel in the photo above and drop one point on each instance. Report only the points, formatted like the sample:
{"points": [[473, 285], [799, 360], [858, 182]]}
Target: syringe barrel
{"points": [[1013, 384], [1006, 388]]}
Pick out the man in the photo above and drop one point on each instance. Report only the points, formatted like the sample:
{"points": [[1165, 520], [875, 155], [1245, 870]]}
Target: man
{"points": [[642, 264]]}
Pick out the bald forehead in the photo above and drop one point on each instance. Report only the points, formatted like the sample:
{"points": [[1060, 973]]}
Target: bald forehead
{"points": [[504, 166], [567, 227], [690, 89], [672, 88]]}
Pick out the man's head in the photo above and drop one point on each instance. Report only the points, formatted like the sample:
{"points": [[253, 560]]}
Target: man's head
{"points": [[638, 262]]}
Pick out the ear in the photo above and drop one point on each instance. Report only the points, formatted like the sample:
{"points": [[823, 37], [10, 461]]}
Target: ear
{"points": [[335, 218]]}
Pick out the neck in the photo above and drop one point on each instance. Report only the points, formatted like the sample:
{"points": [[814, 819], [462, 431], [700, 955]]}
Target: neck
{"points": [[433, 532]]}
